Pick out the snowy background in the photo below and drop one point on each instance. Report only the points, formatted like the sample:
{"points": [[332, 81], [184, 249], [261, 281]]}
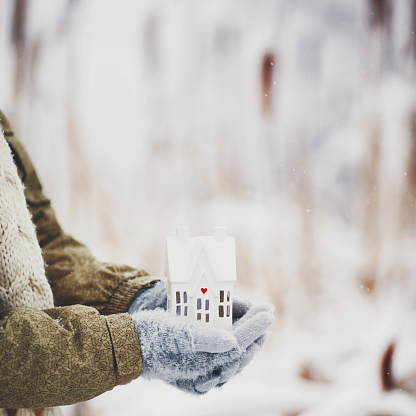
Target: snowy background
{"points": [[293, 123]]}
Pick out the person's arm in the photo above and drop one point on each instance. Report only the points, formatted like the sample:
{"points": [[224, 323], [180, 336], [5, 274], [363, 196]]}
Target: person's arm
{"points": [[75, 276], [64, 355], [83, 345]]}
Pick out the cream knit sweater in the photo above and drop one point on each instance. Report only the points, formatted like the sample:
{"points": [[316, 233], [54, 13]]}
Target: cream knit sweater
{"points": [[22, 272]]}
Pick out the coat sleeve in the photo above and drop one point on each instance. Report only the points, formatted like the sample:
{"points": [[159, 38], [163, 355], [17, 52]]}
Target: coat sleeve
{"points": [[64, 355], [75, 276]]}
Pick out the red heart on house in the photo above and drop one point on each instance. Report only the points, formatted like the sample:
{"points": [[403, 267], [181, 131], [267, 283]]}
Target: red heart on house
{"points": [[204, 290]]}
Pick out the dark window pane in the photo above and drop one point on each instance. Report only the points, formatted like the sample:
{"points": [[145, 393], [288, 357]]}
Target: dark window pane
{"points": [[221, 296], [198, 316], [228, 296], [228, 310], [207, 317], [178, 310], [185, 297], [207, 305], [178, 297], [221, 311], [198, 304], [185, 312]]}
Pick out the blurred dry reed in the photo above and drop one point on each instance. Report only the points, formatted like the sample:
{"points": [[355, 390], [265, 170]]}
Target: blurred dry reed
{"points": [[234, 128]]}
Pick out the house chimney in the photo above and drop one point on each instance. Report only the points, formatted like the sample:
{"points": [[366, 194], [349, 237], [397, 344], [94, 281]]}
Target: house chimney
{"points": [[220, 233], [182, 234]]}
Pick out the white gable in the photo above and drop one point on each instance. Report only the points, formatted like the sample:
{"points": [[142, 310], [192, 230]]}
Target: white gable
{"points": [[183, 254]]}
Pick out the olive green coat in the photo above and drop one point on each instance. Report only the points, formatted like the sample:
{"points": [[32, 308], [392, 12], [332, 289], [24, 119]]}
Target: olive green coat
{"points": [[87, 344]]}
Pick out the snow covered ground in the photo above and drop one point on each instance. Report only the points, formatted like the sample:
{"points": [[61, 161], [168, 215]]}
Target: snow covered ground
{"points": [[293, 123]]}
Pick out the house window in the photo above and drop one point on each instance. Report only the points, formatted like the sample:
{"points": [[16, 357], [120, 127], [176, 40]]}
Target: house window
{"points": [[199, 307], [224, 308], [179, 309], [185, 303]]}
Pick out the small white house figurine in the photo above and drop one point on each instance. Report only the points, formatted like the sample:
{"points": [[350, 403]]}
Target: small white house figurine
{"points": [[200, 273]]}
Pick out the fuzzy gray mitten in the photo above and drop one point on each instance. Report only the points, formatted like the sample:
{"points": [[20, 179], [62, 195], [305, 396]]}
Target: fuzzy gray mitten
{"points": [[174, 347], [250, 332], [193, 356], [150, 298]]}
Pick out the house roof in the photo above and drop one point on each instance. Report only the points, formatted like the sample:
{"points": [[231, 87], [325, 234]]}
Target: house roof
{"points": [[184, 255]]}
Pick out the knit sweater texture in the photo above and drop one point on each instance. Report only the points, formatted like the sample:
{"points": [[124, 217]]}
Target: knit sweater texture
{"points": [[22, 272]]}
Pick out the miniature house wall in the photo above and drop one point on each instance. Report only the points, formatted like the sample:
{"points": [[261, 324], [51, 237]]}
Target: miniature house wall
{"points": [[201, 272]]}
